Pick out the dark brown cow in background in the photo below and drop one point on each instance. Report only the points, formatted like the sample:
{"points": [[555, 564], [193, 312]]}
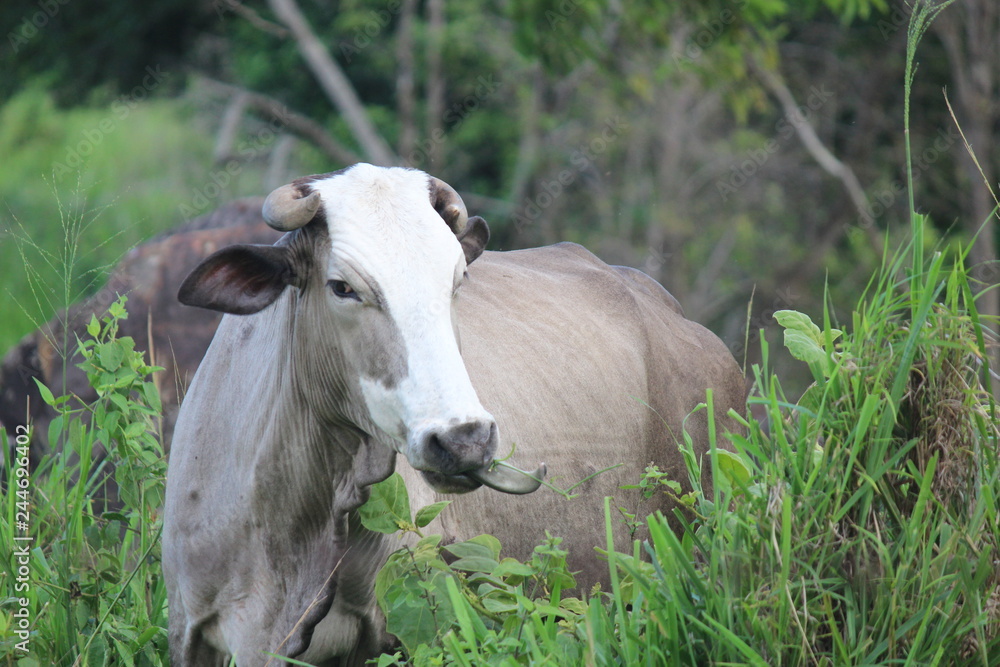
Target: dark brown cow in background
{"points": [[149, 275]]}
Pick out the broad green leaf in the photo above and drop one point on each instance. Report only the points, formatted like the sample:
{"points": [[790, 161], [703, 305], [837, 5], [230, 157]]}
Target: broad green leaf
{"points": [[475, 564], [803, 347], [734, 469], [117, 309], [574, 605], [500, 603], [510, 566], [388, 506], [410, 617], [97, 652], [120, 401], [45, 392], [389, 575], [134, 430], [55, 429], [152, 395], [125, 653], [427, 514], [111, 356], [429, 541], [472, 549], [488, 541], [804, 340]]}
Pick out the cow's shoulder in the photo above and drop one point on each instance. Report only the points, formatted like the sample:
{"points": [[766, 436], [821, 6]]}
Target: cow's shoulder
{"points": [[645, 285], [567, 268]]}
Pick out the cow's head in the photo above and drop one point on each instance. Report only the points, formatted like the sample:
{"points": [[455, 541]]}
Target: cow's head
{"points": [[377, 256]]}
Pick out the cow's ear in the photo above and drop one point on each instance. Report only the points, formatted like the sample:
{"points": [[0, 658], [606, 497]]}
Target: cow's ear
{"points": [[474, 238], [240, 279]]}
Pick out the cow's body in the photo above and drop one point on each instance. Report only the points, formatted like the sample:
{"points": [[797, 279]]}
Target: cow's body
{"points": [[581, 365], [584, 366]]}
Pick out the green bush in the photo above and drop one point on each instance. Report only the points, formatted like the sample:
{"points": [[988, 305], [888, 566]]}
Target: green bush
{"points": [[79, 536]]}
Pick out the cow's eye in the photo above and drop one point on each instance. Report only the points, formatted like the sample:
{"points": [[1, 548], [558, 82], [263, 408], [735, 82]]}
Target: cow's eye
{"points": [[341, 289]]}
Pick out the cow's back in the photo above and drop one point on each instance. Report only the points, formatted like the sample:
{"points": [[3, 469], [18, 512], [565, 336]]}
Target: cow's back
{"points": [[584, 366]]}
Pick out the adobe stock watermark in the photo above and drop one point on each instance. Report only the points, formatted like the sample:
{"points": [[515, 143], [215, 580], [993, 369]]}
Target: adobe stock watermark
{"points": [[365, 34], [885, 197], [249, 149], [783, 299], [581, 159], [561, 12], [20, 486], [32, 24], [899, 17], [985, 274], [656, 258], [707, 33], [454, 116], [121, 108], [744, 170]]}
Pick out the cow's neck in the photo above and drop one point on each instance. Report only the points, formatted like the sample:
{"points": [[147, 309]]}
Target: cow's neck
{"points": [[309, 472], [286, 491]]}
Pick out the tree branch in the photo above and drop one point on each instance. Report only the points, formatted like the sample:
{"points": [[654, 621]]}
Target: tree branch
{"points": [[294, 122], [827, 160], [231, 119], [252, 17], [334, 83]]}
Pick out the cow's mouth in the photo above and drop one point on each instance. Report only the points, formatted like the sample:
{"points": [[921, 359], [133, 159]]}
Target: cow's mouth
{"points": [[498, 475]]}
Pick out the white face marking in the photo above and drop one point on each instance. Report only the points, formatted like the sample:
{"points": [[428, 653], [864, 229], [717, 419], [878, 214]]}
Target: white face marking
{"points": [[397, 254]]}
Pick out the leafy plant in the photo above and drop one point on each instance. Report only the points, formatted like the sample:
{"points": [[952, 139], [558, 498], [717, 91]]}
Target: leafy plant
{"points": [[93, 591], [463, 597]]}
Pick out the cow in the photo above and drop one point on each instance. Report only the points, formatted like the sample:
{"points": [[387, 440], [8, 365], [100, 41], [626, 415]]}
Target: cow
{"points": [[378, 326], [174, 336]]}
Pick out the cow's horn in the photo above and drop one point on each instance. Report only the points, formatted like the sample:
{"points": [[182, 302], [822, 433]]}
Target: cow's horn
{"points": [[448, 204], [503, 477], [285, 209]]}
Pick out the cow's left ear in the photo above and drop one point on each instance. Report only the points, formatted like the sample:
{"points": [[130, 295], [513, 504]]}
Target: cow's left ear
{"points": [[474, 238], [240, 279]]}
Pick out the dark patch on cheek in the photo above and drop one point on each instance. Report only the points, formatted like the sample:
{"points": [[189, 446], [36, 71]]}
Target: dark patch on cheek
{"points": [[384, 351]]}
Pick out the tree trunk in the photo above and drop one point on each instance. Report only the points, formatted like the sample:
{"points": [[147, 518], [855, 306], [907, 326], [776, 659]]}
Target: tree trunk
{"points": [[405, 99], [334, 83], [225, 140], [970, 32], [435, 85]]}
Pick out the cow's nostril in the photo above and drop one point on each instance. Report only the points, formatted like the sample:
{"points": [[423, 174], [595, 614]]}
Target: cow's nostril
{"points": [[462, 447], [437, 451]]}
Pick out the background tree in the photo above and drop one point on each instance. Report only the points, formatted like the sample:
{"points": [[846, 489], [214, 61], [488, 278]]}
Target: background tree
{"points": [[692, 140]]}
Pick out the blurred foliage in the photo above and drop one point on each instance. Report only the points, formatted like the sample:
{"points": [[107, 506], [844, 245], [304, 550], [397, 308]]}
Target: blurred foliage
{"points": [[120, 172], [637, 129], [92, 50]]}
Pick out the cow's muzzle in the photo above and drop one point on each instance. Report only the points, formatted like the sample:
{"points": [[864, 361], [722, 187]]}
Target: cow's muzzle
{"points": [[459, 457], [455, 448]]}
